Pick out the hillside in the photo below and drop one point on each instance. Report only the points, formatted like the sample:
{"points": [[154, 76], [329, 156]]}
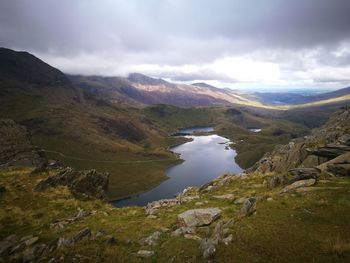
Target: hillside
{"points": [[235, 218], [80, 129], [331, 141], [92, 122], [146, 90]]}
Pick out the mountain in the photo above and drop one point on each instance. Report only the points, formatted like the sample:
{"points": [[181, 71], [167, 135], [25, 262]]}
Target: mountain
{"points": [[26, 68], [140, 90], [25, 73], [148, 91]]}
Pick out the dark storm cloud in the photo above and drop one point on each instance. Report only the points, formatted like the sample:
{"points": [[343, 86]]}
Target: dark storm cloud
{"points": [[114, 37]]}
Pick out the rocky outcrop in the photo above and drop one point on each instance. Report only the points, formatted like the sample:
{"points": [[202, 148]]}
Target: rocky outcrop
{"points": [[339, 166], [15, 146], [298, 184], [89, 183], [153, 207], [60, 224], [322, 145], [199, 217]]}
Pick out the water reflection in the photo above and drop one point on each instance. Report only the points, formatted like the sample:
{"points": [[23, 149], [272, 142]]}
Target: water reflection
{"points": [[206, 157]]}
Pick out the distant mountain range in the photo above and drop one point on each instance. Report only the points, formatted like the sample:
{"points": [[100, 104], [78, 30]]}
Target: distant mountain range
{"points": [[295, 98], [139, 90]]}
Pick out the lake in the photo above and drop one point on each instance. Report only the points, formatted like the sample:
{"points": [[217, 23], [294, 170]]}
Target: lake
{"points": [[205, 158]]}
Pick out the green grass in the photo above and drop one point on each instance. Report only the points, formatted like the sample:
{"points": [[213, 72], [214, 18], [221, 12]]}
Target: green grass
{"points": [[309, 227]]}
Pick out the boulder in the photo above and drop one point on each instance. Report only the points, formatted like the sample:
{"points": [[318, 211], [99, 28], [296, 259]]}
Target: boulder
{"points": [[248, 207], [199, 217], [303, 173], [275, 181], [208, 247], [298, 184], [339, 166], [182, 231], [145, 253], [151, 240], [89, 182]]}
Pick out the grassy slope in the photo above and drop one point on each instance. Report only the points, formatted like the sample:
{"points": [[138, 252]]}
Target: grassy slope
{"points": [[74, 129], [309, 227]]}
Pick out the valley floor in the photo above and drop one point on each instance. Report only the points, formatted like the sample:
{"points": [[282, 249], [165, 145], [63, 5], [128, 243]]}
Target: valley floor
{"points": [[308, 225]]}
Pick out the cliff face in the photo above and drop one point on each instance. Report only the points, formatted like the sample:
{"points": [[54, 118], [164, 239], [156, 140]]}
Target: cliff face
{"points": [[323, 145]]}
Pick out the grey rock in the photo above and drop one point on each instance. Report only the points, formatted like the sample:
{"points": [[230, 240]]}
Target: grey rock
{"points": [[298, 184], [339, 166], [218, 232], [199, 217], [62, 223], [145, 253], [153, 207], [248, 207], [275, 181], [208, 247], [228, 240], [303, 173], [183, 230], [192, 237], [331, 150], [240, 200], [151, 240]]}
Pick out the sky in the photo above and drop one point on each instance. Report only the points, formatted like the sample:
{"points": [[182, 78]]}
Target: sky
{"points": [[242, 44]]}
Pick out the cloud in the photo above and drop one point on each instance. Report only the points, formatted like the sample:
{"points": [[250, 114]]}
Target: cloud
{"points": [[266, 42]]}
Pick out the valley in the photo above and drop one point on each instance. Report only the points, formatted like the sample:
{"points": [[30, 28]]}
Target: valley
{"points": [[92, 163], [90, 123]]}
